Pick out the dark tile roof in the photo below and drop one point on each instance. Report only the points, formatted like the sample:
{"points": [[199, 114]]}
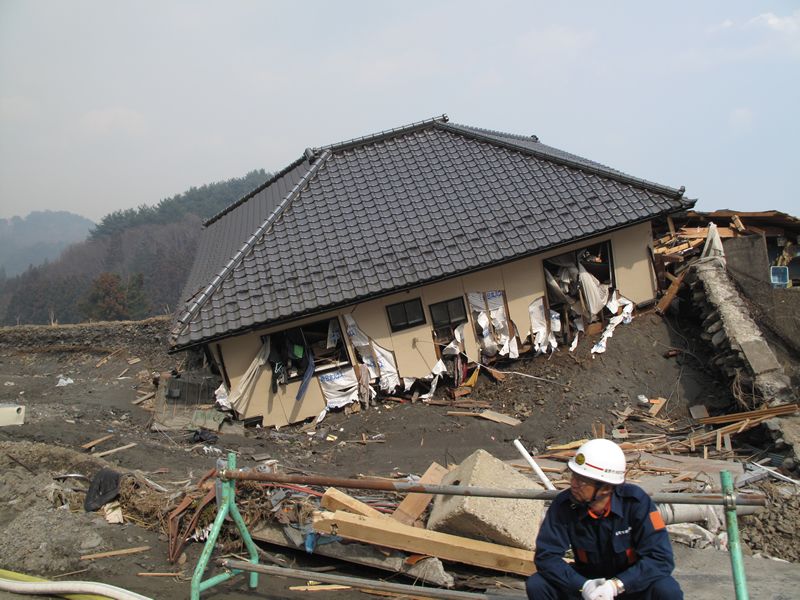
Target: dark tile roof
{"points": [[395, 210], [225, 233]]}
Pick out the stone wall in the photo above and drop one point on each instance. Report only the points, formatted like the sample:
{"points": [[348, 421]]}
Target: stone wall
{"points": [[147, 338], [742, 354]]}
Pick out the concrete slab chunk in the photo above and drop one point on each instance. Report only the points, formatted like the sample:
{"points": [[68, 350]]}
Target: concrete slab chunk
{"points": [[504, 521], [760, 356]]}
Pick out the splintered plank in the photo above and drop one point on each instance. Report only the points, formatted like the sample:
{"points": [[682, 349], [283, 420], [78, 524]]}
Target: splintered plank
{"points": [[569, 446], [391, 534], [500, 418], [115, 553], [112, 451], [413, 505], [100, 440], [657, 405], [490, 415]]}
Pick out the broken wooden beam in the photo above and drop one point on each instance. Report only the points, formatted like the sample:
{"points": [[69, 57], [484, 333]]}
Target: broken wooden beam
{"points": [[334, 500], [391, 534], [669, 296]]}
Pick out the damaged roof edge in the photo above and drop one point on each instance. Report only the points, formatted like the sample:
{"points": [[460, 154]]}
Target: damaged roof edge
{"points": [[562, 160], [685, 204], [189, 313]]}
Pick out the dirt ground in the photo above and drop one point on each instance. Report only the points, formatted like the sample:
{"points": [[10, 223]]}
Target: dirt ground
{"points": [[558, 397]]}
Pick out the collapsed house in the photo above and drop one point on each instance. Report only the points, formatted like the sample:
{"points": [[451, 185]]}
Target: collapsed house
{"points": [[390, 260]]}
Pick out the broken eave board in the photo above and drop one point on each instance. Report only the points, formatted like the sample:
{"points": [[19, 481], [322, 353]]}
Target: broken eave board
{"points": [[387, 533]]}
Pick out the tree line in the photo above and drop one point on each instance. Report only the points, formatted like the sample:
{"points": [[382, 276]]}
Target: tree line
{"points": [[133, 264]]}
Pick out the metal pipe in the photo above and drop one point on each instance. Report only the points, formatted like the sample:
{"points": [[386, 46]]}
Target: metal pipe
{"points": [[734, 545], [536, 469], [461, 490], [357, 582], [684, 513]]}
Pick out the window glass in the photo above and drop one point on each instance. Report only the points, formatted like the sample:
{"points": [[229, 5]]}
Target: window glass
{"points": [[439, 314], [405, 314], [457, 311], [414, 312]]}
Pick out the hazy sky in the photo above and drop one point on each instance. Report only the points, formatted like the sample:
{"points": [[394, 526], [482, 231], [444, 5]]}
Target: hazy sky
{"points": [[108, 105]]}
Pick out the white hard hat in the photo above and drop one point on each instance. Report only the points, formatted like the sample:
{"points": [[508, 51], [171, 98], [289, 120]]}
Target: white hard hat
{"points": [[601, 460]]}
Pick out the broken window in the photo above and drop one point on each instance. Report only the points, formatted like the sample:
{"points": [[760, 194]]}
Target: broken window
{"points": [[492, 325], [578, 286], [405, 314], [446, 316], [293, 351]]}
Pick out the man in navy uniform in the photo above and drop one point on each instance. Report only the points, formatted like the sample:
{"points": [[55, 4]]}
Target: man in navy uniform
{"points": [[617, 536]]}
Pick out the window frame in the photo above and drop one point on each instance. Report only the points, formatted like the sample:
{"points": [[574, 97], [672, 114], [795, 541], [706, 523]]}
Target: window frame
{"points": [[407, 324]]}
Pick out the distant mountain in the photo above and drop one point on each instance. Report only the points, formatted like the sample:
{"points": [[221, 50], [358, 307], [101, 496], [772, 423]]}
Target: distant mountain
{"points": [[132, 265], [39, 237]]}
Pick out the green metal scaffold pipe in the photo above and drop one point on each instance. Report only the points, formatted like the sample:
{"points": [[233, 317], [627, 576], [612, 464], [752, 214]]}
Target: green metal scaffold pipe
{"points": [[734, 545], [227, 506]]}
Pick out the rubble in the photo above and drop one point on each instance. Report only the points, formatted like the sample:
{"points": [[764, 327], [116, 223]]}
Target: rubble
{"points": [[668, 450]]}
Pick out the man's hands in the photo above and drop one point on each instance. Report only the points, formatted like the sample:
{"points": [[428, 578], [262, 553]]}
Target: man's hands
{"points": [[605, 591], [589, 588]]}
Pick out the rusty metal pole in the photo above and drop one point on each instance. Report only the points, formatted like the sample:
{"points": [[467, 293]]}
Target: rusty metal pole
{"points": [[460, 490]]}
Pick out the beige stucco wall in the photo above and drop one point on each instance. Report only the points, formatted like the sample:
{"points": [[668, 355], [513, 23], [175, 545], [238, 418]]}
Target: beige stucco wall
{"points": [[522, 281]]}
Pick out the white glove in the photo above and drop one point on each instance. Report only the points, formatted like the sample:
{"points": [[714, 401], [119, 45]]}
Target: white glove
{"points": [[605, 591], [589, 587]]}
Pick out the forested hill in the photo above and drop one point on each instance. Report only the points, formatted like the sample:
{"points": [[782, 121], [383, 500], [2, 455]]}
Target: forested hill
{"points": [[133, 264], [41, 236]]}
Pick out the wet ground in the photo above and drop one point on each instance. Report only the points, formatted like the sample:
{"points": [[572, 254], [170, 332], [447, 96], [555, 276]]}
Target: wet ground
{"points": [[558, 398]]}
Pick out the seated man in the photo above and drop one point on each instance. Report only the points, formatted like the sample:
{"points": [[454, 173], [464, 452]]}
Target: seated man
{"points": [[617, 536]]}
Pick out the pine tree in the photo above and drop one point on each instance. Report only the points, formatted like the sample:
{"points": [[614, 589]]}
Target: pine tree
{"points": [[106, 300]]}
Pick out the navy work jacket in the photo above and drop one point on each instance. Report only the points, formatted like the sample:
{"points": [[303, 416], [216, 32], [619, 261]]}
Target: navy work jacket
{"points": [[630, 542]]}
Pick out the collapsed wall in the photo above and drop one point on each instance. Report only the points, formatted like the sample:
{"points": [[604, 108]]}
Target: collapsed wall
{"points": [[742, 353]]}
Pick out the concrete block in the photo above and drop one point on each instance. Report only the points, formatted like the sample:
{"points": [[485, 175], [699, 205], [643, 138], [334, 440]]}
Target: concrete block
{"points": [[12, 414], [760, 356], [506, 521]]}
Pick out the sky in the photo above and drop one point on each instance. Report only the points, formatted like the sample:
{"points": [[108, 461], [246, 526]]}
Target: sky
{"points": [[112, 104]]}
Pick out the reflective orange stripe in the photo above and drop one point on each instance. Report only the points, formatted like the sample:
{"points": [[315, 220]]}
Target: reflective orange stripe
{"points": [[582, 557], [656, 520], [631, 554]]}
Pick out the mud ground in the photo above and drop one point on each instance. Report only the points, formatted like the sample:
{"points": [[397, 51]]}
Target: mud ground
{"points": [[558, 398]]}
